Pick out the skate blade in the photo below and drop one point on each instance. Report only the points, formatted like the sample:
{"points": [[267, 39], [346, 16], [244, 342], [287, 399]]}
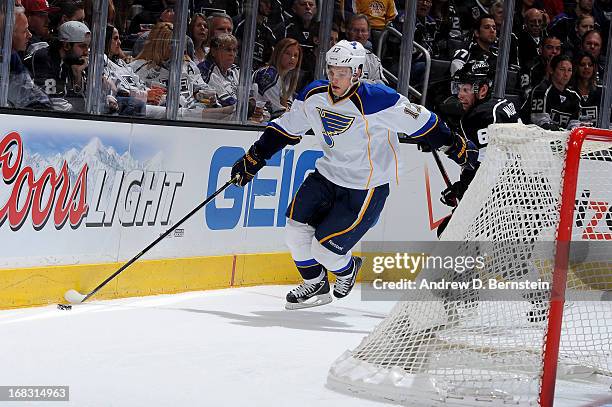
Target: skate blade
{"points": [[312, 302]]}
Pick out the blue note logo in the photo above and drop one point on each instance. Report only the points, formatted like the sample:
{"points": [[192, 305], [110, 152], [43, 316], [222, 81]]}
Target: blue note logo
{"points": [[333, 124]]}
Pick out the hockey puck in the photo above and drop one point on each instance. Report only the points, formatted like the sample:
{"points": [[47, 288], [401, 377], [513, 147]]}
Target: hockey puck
{"points": [[64, 307]]}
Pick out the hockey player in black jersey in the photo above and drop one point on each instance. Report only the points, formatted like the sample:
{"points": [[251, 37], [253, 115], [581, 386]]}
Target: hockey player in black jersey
{"points": [[472, 85], [552, 105]]}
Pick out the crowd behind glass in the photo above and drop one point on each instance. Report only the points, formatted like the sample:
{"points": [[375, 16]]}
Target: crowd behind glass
{"points": [[51, 52]]}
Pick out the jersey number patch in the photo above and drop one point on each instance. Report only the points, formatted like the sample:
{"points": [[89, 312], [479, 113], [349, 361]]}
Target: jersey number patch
{"points": [[483, 138], [537, 105]]}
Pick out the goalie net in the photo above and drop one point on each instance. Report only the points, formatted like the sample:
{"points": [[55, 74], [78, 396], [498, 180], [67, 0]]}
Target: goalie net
{"points": [[534, 186]]}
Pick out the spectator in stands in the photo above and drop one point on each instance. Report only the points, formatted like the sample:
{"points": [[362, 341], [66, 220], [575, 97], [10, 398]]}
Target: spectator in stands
{"points": [[129, 92], [38, 12], [152, 65], [572, 40], [60, 68], [219, 70], [277, 82], [198, 31], [152, 14], [358, 30], [441, 13], [482, 47], [264, 35], [564, 24], [465, 14], [602, 9], [584, 82], [219, 23], [22, 92], [592, 42], [530, 37], [334, 36], [497, 11], [298, 28], [70, 10], [551, 104], [521, 7], [530, 77], [279, 17], [379, 12], [166, 16]]}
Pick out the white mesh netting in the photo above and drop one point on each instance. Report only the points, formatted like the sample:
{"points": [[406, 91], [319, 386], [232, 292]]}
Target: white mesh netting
{"points": [[471, 347]]}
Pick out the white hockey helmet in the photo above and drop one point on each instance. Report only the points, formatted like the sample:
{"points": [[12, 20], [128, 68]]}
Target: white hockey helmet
{"points": [[347, 53]]}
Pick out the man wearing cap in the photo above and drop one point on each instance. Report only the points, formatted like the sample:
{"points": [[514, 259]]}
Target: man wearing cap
{"points": [[59, 69], [38, 12]]}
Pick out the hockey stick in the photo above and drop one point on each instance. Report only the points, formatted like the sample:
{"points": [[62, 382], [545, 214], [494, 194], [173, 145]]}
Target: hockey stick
{"points": [[403, 138], [75, 297], [447, 180]]}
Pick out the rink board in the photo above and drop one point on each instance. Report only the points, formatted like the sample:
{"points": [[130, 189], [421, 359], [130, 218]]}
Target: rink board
{"points": [[79, 198]]}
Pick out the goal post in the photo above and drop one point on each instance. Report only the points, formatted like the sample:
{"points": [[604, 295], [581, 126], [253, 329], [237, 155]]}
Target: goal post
{"points": [[539, 198], [564, 237]]}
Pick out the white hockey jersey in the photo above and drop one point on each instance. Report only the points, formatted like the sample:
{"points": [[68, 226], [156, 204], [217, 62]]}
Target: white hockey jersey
{"points": [[358, 133]]}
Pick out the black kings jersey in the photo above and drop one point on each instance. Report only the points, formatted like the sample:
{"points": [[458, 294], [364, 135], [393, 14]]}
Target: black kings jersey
{"points": [[474, 123], [550, 108]]}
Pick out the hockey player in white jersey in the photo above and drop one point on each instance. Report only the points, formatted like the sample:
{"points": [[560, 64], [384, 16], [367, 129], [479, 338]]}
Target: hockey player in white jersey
{"points": [[357, 124]]}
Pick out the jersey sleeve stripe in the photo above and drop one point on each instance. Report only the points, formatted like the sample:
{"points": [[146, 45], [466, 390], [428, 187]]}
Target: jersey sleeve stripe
{"points": [[282, 131], [431, 124]]}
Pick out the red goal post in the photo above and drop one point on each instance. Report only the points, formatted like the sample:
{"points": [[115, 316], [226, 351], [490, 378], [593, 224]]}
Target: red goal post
{"points": [[564, 237]]}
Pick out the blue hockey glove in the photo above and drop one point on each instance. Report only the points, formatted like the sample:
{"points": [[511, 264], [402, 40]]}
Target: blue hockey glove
{"points": [[246, 167]]}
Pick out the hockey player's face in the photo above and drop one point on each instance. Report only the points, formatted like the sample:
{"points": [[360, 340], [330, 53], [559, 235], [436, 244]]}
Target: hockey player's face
{"points": [[340, 79], [562, 74], [466, 96]]}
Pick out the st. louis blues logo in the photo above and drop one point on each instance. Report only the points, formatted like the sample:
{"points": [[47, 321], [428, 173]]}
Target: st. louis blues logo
{"points": [[333, 124]]}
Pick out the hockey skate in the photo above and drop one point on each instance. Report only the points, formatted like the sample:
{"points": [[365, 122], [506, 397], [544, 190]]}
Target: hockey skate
{"points": [[345, 284], [309, 295]]}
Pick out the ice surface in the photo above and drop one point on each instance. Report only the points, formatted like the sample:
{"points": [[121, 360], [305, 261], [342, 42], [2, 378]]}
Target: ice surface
{"points": [[233, 347]]}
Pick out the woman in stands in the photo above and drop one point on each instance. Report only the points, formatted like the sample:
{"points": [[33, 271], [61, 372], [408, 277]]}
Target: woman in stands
{"points": [[129, 91], [277, 81], [151, 65], [219, 70], [584, 82], [198, 31]]}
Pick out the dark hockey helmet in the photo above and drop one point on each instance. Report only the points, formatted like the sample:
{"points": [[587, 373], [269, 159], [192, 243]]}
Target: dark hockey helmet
{"points": [[475, 73]]}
